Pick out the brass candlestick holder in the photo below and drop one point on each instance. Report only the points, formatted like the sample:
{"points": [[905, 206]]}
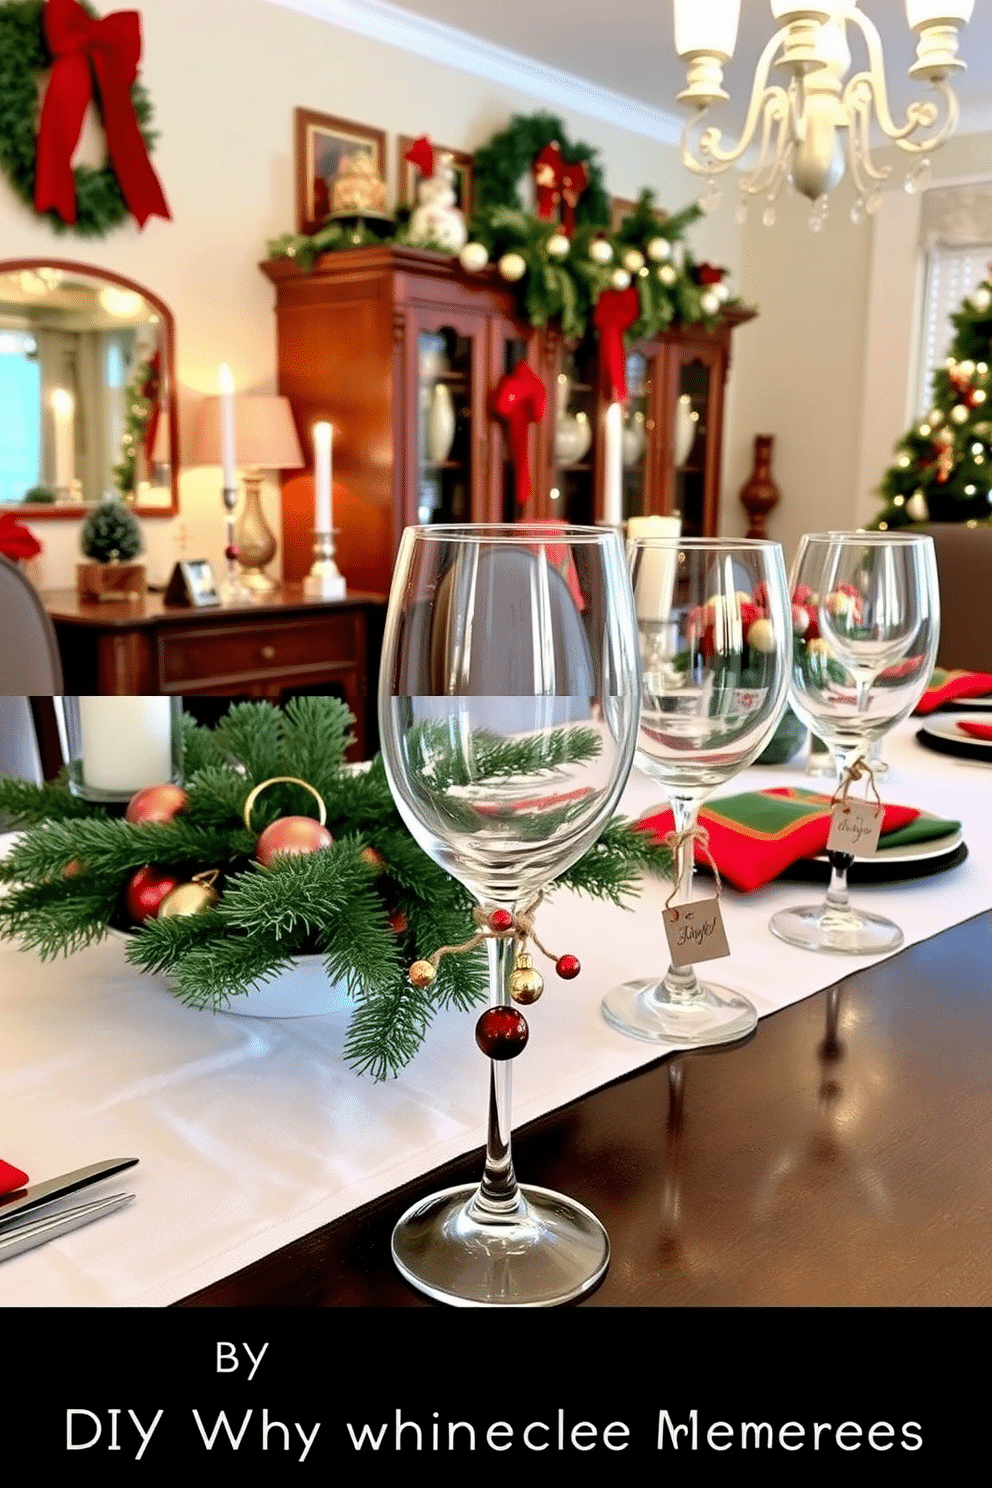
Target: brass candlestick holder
{"points": [[324, 580]]}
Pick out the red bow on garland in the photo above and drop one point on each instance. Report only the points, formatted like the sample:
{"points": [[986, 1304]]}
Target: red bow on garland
{"points": [[421, 154], [520, 400], [616, 310], [556, 181], [16, 542], [108, 51]]}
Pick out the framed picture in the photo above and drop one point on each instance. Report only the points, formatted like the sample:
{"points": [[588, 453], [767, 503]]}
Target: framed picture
{"points": [[192, 584], [408, 175], [321, 143], [620, 207]]}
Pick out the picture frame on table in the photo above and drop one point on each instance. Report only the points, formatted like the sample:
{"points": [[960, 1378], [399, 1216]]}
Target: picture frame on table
{"points": [[192, 585], [408, 176], [322, 142]]}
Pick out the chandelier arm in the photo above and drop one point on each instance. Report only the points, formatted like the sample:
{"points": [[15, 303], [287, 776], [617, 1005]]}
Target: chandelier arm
{"points": [[919, 115], [768, 177], [761, 96], [865, 175]]}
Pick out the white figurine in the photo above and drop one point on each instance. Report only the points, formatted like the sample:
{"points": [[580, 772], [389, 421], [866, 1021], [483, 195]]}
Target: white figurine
{"points": [[436, 221]]}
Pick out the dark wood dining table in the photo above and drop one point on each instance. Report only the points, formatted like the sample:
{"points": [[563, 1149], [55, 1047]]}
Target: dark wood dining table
{"points": [[839, 1157]]}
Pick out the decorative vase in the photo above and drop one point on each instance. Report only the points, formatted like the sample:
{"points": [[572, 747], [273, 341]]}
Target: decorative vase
{"points": [[255, 539], [685, 429], [759, 492], [573, 436], [440, 424], [302, 990], [633, 440]]}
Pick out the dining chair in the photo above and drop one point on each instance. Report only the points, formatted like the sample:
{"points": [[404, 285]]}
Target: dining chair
{"points": [[964, 569], [29, 652]]}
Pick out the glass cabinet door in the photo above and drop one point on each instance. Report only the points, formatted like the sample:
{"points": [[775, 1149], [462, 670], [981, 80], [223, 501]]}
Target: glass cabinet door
{"points": [[444, 425], [693, 451], [572, 496], [638, 432]]}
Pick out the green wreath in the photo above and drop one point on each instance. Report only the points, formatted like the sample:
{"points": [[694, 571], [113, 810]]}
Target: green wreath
{"points": [[23, 55], [498, 167]]}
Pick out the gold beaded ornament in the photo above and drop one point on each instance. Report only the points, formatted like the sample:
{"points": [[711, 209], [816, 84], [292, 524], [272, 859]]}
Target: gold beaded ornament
{"points": [[526, 982]]}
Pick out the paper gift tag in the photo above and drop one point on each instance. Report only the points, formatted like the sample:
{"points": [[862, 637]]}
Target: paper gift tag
{"points": [[695, 932], [854, 828]]}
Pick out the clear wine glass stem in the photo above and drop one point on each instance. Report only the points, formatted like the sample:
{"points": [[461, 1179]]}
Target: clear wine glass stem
{"points": [[498, 1193], [682, 983]]}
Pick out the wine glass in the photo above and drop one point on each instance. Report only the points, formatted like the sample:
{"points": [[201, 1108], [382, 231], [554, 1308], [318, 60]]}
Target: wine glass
{"points": [[869, 610], [716, 649], [508, 715]]}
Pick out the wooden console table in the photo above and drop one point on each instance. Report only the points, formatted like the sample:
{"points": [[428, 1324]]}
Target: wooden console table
{"points": [[280, 645]]}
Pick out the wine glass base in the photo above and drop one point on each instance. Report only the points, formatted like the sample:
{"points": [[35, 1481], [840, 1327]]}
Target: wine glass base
{"points": [[645, 1010], [818, 927], [552, 1250]]}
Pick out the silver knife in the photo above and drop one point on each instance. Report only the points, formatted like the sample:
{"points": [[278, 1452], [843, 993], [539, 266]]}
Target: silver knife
{"points": [[38, 1229], [55, 1188]]}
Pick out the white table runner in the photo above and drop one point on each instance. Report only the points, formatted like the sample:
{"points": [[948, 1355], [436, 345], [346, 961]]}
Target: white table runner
{"points": [[252, 1132]]}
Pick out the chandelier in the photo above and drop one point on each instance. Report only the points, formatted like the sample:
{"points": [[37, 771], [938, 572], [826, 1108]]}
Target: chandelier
{"points": [[796, 124]]}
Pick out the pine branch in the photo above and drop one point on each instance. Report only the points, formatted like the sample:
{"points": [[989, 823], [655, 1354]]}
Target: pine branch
{"points": [[25, 804]]}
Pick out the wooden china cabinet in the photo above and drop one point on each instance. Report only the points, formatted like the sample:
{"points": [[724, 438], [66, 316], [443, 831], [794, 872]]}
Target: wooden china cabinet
{"points": [[402, 350]]}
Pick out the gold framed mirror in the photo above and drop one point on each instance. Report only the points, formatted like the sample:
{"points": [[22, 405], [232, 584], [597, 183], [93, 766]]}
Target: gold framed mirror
{"points": [[87, 392]]}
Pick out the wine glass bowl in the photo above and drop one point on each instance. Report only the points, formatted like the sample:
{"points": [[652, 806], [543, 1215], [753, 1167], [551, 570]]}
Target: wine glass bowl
{"points": [[508, 701], [867, 614], [716, 639]]}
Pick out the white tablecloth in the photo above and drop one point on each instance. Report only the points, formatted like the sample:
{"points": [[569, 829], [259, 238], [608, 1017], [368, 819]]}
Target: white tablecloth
{"points": [[252, 1132]]}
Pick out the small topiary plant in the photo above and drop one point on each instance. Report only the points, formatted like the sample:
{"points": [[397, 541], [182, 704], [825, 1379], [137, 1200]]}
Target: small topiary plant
{"points": [[110, 533]]}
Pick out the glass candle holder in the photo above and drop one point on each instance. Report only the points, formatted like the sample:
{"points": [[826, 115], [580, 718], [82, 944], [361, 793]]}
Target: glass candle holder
{"points": [[119, 745]]}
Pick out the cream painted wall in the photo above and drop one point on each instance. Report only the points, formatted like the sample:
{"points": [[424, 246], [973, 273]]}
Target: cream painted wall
{"points": [[827, 368], [224, 77]]}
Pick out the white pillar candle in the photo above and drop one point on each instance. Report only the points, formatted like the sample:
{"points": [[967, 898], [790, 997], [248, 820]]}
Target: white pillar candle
{"points": [[63, 411], [613, 466], [225, 383], [126, 742], [322, 436], [655, 577]]}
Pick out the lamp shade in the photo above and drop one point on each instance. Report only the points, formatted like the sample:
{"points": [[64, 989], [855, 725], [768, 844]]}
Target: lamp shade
{"points": [[708, 26], [264, 433], [938, 12]]}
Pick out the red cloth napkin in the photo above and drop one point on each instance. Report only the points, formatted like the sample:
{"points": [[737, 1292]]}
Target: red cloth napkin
{"points": [[11, 1178], [976, 730], [945, 687], [754, 836]]}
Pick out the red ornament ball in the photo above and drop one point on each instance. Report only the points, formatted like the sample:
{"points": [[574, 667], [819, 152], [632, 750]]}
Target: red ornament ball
{"points": [[568, 967], [145, 891], [156, 803], [232, 552], [297, 835], [501, 1033], [500, 921]]}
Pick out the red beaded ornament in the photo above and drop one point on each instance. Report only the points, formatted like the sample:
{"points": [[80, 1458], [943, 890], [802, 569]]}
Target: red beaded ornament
{"points": [[567, 967], [501, 1033], [500, 921]]}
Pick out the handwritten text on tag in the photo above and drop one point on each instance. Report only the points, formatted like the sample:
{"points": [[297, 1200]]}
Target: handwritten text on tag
{"points": [[854, 828], [695, 932]]}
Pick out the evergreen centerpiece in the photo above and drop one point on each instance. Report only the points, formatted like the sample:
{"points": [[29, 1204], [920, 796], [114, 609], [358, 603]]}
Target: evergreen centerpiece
{"points": [[359, 892], [943, 466], [110, 540]]}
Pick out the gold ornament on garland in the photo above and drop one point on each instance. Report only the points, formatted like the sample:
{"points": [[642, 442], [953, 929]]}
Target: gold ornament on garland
{"points": [[526, 983], [191, 898]]}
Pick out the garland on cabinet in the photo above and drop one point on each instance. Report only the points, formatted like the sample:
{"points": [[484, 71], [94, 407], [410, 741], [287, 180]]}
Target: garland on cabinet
{"points": [[245, 900], [562, 257], [943, 465], [35, 155]]}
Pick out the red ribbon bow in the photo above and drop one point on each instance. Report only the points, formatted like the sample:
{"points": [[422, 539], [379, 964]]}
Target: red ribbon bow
{"points": [[421, 154], [616, 310], [520, 400], [16, 542], [108, 51]]}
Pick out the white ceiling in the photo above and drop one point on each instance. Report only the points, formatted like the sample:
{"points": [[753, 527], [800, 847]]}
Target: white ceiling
{"points": [[627, 46]]}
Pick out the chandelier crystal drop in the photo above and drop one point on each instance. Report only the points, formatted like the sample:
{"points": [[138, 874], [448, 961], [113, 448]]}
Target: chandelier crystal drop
{"points": [[796, 123]]}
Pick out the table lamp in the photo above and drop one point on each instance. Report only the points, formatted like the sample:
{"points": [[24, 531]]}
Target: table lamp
{"points": [[265, 439]]}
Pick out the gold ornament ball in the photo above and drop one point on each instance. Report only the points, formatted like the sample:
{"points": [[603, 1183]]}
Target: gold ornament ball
{"points": [[473, 257], [187, 899], [667, 274], [600, 251], [512, 267], [620, 279], [633, 260], [558, 245], [526, 983], [959, 413], [421, 974], [659, 249]]}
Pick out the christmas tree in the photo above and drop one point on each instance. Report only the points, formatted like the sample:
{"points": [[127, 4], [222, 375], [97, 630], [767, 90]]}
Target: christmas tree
{"points": [[943, 465]]}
